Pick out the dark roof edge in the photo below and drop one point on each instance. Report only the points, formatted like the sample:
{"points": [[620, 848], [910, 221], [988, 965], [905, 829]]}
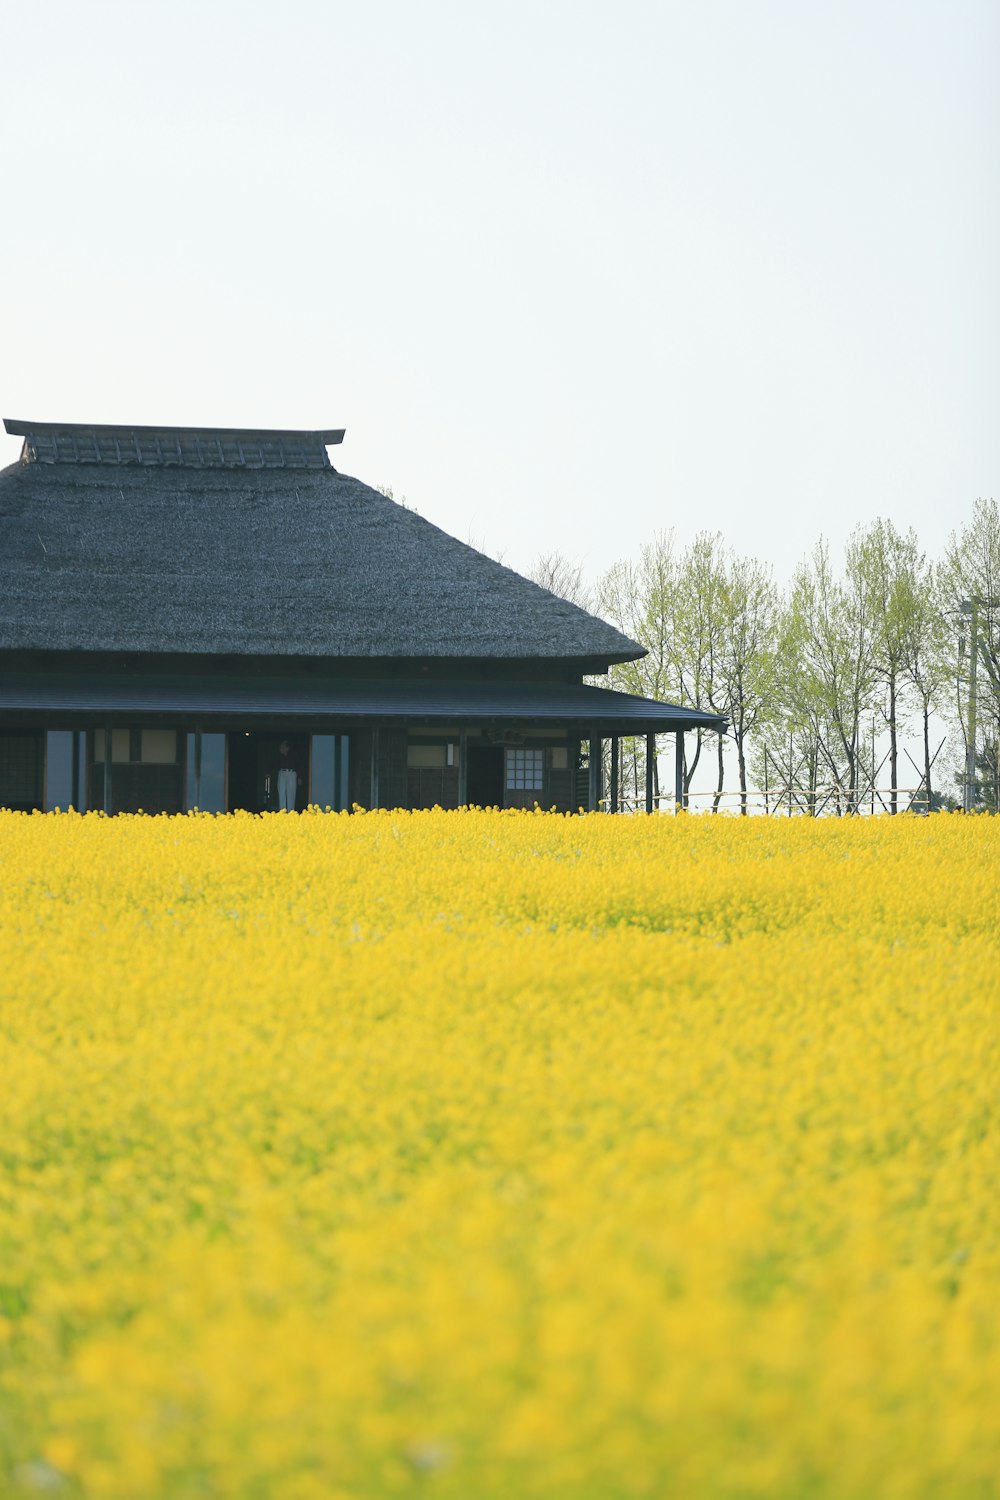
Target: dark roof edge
{"points": [[328, 436], [591, 665], [76, 659], [368, 700]]}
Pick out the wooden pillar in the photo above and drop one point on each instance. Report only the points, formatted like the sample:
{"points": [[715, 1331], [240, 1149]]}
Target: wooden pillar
{"points": [[613, 789], [650, 762], [594, 774], [374, 768], [107, 768], [463, 768], [80, 770], [679, 771]]}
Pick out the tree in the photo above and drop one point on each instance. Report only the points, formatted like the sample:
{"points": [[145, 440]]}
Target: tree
{"points": [[675, 607], [748, 658], [698, 616], [555, 572], [725, 616], [988, 775], [883, 566], [707, 620], [971, 572], [832, 637], [791, 738], [928, 656], [640, 598]]}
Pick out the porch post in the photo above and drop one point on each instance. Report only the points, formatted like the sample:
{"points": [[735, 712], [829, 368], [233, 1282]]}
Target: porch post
{"points": [[650, 762], [373, 799], [463, 768], [343, 772], [107, 770], [679, 772], [594, 774], [613, 789], [80, 770]]}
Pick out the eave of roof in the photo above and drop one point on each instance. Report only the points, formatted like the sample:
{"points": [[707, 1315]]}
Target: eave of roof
{"points": [[348, 701]]}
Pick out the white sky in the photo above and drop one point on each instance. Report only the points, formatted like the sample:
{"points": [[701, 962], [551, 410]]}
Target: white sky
{"points": [[567, 273]]}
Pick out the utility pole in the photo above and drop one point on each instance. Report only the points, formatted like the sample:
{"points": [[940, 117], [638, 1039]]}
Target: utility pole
{"points": [[970, 607]]}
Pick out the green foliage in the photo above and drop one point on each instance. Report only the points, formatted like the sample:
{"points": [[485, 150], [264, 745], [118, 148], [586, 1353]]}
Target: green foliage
{"points": [[807, 678]]}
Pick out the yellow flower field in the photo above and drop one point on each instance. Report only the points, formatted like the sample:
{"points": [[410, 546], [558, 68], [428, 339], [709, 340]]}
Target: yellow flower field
{"points": [[482, 1155]]}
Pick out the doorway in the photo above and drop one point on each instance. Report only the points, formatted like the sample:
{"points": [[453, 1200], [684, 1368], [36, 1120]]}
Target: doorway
{"points": [[254, 761], [484, 783]]}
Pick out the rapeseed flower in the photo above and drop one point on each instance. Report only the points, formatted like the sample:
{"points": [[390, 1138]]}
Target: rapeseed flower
{"points": [[485, 1154]]}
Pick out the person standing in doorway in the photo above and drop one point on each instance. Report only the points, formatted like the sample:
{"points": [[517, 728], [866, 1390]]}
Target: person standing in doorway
{"points": [[288, 780]]}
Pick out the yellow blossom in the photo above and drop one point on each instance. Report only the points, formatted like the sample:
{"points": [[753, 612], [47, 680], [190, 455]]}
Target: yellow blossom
{"points": [[490, 1154]]}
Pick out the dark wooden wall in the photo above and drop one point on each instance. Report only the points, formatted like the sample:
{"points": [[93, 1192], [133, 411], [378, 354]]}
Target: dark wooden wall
{"points": [[428, 786], [558, 790], [391, 767], [359, 773]]}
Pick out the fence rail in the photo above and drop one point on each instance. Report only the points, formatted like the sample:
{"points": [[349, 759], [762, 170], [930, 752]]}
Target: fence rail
{"points": [[787, 801]]}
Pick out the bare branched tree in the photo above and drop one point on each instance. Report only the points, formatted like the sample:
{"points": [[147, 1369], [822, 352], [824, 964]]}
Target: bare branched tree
{"points": [[555, 572], [886, 566], [748, 653]]}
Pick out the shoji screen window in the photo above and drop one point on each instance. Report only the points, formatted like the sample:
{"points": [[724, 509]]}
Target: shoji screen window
{"points": [[525, 769]]}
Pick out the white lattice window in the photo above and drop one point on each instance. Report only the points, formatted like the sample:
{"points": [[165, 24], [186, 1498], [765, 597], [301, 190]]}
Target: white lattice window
{"points": [[524, 770]]}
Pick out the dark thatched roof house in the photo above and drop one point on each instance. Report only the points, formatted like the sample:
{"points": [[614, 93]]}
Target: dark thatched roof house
{"points": [[219, 619]]}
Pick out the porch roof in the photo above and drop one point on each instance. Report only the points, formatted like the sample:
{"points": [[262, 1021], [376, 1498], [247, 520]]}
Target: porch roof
{"points": [[57, 700]]}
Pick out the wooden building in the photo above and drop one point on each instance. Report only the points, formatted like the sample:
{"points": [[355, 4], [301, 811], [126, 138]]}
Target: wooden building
{"points": [[185, 612]]}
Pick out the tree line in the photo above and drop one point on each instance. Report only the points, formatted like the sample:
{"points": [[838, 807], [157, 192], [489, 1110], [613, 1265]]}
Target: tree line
{"points": [[877, 644]]}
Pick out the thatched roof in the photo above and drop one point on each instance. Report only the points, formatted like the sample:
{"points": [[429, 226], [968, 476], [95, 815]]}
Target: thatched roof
{"points": [[248, 543]]}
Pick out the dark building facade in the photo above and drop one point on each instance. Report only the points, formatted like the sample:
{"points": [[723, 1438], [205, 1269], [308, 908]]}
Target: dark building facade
{"points": [[219, 619]]}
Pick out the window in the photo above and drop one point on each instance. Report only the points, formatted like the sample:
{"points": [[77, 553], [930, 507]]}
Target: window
{"points": [[66, 769], [156, 747], [121, 746], [426, 757], [524, 770], [144, 772], [328, 771], [206, 772]]}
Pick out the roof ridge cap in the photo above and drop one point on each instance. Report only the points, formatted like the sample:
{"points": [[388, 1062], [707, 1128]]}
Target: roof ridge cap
{"points": [[123, 445]]}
